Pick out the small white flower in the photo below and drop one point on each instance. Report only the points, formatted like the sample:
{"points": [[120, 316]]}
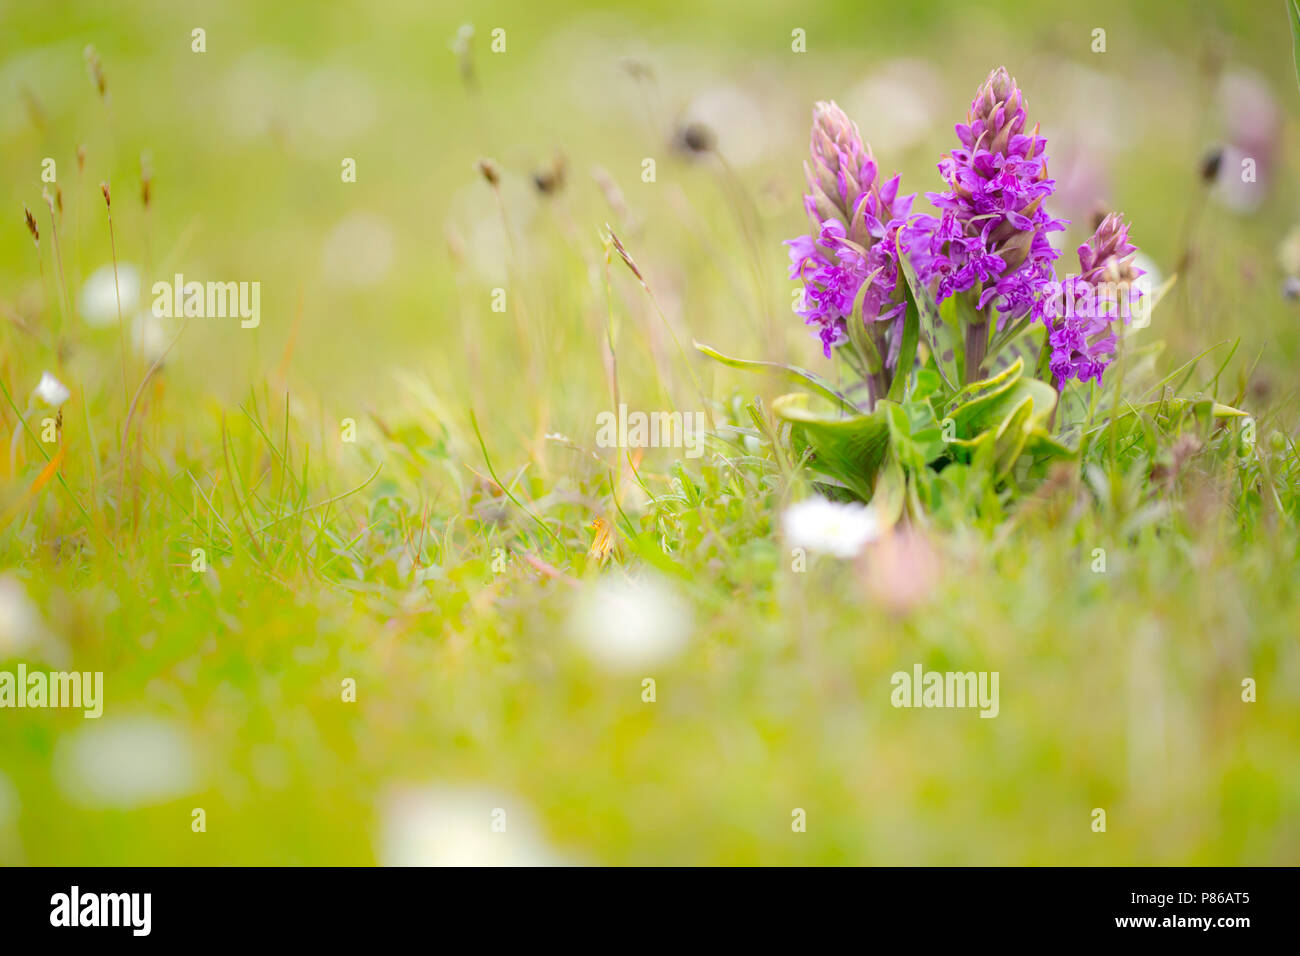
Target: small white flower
{"points": [[626, 624], [831, 527], [50, 392], [20, 621], [124, 763], [99, 294], [458, 826]]}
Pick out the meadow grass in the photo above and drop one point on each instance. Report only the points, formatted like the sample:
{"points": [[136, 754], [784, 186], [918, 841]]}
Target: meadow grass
{"points": [[436, 560]]}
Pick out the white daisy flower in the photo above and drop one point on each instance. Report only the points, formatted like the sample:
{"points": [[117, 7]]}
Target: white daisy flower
{"points": [[458, 826], [125, 762], [627, 624], [99, 293], [830, 527], [20, 621], [50, 392]]}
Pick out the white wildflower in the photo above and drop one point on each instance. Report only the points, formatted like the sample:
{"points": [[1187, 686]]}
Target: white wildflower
{"points": [[20, 621], [830, 527], [626, 624], [50, 392], [98, 302], [124, 763], [458, 826]]}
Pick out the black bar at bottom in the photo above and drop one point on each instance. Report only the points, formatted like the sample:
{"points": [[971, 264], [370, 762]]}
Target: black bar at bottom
{"points": [[339, 905]]}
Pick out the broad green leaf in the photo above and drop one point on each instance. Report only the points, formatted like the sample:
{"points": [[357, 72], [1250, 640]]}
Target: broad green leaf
{"points": [[968, 401], [907, 350], [927, 312], [986, 404], [1012, 435], [1043, 443], [928, 383], [859, 337], [850, 448], [794, 373]]}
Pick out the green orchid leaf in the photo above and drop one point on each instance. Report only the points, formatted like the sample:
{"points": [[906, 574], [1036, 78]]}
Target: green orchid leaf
{"points": [[1011, 436], [798, 375], [849, 448], [1043, 443], [927, 313], [928, 384], [978, 395], [907, 348], [859, 337]]}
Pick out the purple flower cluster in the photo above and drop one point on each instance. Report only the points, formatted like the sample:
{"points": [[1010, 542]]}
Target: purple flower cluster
{"points": [[855, 221], [1081, 316], [990, 243], [993, 231]]}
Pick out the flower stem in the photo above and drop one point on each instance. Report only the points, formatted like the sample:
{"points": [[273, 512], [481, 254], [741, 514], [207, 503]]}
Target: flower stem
{"points": [[977, 345]]}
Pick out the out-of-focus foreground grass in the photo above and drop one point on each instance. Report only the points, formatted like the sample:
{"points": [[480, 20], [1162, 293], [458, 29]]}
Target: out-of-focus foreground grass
{"points": [[399, 563]]}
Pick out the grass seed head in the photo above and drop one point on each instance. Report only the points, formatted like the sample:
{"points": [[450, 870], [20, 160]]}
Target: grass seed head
{"points": [[489, 170], [96, 69]]}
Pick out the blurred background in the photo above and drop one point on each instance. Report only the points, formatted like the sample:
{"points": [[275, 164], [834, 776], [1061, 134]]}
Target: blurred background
{"points": [[370, 286], [245, 144]]}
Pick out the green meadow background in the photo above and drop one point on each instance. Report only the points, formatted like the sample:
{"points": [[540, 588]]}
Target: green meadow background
{"points": [[373, 561]]}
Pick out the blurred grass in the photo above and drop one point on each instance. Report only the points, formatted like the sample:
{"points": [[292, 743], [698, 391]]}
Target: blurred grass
{"points": [[1119, 690]]}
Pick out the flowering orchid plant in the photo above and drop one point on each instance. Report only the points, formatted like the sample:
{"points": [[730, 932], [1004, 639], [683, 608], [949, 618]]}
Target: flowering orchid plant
{"points": [[960, 337]]}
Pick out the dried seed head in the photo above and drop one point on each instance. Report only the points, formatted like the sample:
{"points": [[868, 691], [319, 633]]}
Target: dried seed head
{"points": [[1210, 164], [696, 137], [146, 180], [489, 170], [49, 200], [108, 199], [636, 68], [463, 47], [31, 226], [58, 199], [550, 179], [96, 70], [81, 157], [1099, 213], [627, 259]]}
